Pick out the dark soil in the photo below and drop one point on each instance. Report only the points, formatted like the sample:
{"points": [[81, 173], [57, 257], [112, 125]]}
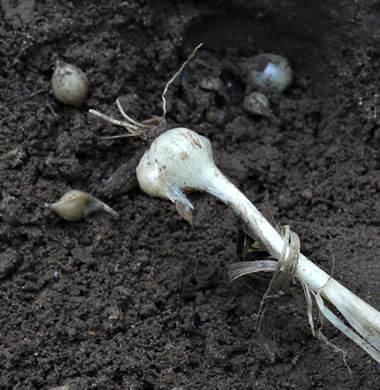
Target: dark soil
{"points": [[144, 302]]}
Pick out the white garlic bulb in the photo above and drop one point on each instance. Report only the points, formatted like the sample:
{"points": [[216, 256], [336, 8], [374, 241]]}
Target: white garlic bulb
{"points": [[269, 72], [178, 160], [70, 84]]}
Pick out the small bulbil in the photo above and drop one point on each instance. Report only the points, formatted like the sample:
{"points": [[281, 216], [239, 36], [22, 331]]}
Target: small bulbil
{"points": [[76, 204], [257, 103], [268, 72], [70, 84]]}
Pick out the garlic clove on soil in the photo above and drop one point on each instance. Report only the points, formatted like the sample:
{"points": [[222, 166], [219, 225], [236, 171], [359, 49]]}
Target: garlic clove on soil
{"points": [[257, 103], [70, 84], [76, 204], [268, 72]]}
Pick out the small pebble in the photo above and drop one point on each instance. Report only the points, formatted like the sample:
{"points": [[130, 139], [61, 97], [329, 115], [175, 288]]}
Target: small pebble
{"points": [[211, 83], [8, 262], [148, 310]]}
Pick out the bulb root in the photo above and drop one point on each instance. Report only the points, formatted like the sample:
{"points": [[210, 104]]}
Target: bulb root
{"points": [[148, 129]]}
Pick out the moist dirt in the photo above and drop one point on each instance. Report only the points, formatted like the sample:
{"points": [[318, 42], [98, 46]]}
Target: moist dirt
{"points": [[144, 301]]}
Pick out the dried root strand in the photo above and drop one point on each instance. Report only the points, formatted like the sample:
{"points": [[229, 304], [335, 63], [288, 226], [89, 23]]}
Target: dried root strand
{"points": [[134, 128], [148, 129], [364, 330], [174, 77]]}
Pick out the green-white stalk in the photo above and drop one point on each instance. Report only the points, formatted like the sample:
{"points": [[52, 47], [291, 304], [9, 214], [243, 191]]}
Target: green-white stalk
{"points": [[181, 160]]}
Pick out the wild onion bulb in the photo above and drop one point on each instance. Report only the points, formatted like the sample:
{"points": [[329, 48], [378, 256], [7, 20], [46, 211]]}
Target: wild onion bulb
{"points": [[76, 204], [268, 72], [70, 84], [181, 160]]}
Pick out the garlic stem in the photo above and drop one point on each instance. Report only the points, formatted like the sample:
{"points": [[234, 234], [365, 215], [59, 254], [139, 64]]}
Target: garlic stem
{"points": [[361, 316], [222, 188]]}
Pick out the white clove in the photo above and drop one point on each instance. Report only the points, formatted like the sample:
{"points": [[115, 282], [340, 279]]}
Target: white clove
{"points": [[76, 204]]}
